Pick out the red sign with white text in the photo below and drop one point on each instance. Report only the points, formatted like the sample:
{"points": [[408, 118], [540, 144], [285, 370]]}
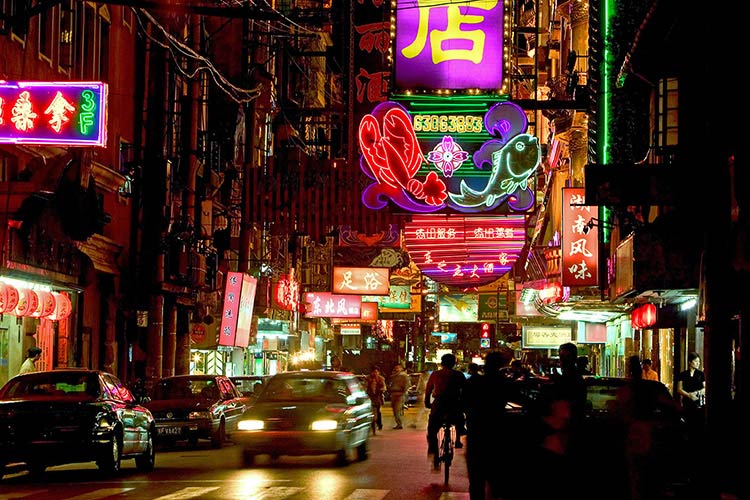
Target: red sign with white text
{"points": [[231, 309], [361, 280], [245, 313], [580, 240]]}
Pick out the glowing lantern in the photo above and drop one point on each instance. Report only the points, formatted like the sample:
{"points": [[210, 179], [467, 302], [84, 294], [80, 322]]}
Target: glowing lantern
{"points": [[8, 298], [46, 305], [648, 315], [28, 301], [63, 307]]}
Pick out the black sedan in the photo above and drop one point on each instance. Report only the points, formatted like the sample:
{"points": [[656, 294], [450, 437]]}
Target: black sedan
{"points": [[73, 415], [193, 407]]}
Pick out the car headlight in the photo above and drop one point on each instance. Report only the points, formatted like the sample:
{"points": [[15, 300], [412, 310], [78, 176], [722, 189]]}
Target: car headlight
{"points": [[199, 415], [324, 425], [250, 425]]}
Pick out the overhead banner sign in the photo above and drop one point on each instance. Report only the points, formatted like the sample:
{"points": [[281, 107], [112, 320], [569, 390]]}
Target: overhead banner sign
{"points": [[579, 240], [56, 113], [465, 251], [453, 44], [546, 337], [361, 280]]}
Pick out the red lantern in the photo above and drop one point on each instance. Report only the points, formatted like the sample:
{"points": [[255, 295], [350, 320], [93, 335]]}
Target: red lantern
{"points": [[648, 315], [28, 301], [8, 298], [63, 306], [635, 318], [46, 304]]}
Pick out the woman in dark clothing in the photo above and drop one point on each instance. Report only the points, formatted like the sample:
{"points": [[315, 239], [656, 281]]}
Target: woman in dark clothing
{"points": [[691, 386]]}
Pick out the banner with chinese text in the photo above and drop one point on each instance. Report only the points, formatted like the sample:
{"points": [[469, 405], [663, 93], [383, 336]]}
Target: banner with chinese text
{"points": [[579, 241]]}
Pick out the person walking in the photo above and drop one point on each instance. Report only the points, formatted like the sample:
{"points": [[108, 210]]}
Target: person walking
{"points": [[443, 396], [485, 398], [397, 385], [648, 371], [29, 365], [376, 391]]}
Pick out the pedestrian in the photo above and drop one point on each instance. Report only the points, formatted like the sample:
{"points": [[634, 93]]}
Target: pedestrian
{"points": [[583, 365], [397, 385], [691, 386], [376, 391], [443, 396], [486, 398], [473, 370], [29, 365], [642, 407], [562, 404], [648, 371]]}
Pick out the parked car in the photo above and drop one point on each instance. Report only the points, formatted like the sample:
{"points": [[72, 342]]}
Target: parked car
{"points": [[193, 407], [73, 415], [307, 413], [250, 385]]}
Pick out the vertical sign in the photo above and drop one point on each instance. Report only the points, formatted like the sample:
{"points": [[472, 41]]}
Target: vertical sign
{"points": [[371, 33], [449, 44], [231, 309], [580, 240], [245, 313]]}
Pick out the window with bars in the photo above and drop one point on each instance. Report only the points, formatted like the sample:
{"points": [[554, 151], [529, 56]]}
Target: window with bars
{"points": [[667, 122]]}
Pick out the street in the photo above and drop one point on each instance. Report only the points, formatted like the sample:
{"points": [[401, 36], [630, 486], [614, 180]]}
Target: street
{"points": [[397, 469]]}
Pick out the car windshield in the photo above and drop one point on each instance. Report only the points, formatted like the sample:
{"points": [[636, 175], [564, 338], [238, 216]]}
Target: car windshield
{"points": [[53, 384], [305, 389], [183, 388]]}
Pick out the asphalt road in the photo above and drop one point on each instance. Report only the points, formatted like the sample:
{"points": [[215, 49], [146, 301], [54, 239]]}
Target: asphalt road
{"points": [[397, 469]]}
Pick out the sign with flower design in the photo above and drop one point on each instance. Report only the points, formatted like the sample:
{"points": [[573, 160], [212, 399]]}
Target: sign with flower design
{"points": [[462, 154]]}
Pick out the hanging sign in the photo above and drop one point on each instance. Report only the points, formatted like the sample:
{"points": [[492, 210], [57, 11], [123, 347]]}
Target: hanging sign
{"points": [[329, 305], [361, 280], [59, 113], [580, 240]]}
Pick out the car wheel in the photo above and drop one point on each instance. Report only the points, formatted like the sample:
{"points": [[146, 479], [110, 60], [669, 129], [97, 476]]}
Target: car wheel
{"points": [[145, 462], [110, 461], [362, 452], [342, 457], [217, 439], [248, 458]]}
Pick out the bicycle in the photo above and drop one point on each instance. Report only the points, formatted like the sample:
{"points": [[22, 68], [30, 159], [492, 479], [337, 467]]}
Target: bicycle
{"points": [[446, 438]]}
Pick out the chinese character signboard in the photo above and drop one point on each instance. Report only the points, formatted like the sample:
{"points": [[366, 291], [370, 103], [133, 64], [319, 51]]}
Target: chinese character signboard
{"points": [[361, 280], [493, 307], [546, 337], [231, 309], [465, 251], [245, 313], [329, 305], [59, 113], [286, 292], [465, 154], [450, 44], [399, 297], [580, 240], [370, 33]]}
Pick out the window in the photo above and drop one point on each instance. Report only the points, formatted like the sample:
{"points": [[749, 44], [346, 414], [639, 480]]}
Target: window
{"points": [[46, 32], [15, 21], [667, 123], [66, 38], [103, 69]]}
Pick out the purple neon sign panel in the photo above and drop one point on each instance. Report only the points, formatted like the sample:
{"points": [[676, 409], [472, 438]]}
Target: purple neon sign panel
{"points": [[58, 113], [449, 44]]}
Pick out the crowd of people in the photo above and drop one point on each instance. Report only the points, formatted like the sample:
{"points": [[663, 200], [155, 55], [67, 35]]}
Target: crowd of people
{"points": [[555, 438]]}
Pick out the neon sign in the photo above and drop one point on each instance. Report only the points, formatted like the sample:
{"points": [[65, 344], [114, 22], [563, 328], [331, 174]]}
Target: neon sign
{"points": [[466, 169], [453, 44], [329, 305], [57, 113], [580, 241], [361, 280], [465, 251]]}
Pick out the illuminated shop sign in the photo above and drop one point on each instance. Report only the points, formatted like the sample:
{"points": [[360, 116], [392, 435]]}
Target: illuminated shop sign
{"points": [[329, 305], [465, 251], [59, 113], [450, 44], [399, 297], [580, 240], [546, 337], [351, 329], [459, 308], [237, 312], [361, 280], [463, 154], [286, 292], [369, 312]]}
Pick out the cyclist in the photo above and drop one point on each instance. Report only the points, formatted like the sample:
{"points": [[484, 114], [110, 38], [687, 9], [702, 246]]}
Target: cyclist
{"points": [[443, 396]]}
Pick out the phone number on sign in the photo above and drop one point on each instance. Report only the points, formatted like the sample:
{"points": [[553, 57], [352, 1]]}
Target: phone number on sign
{"points": [[448, 123]]}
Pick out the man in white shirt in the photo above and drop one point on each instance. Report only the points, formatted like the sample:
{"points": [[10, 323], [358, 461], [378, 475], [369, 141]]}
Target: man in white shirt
{"points": [[30, 364]]}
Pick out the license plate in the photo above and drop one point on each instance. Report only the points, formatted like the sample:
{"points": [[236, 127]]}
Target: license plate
{"points": [[169, 431]]}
